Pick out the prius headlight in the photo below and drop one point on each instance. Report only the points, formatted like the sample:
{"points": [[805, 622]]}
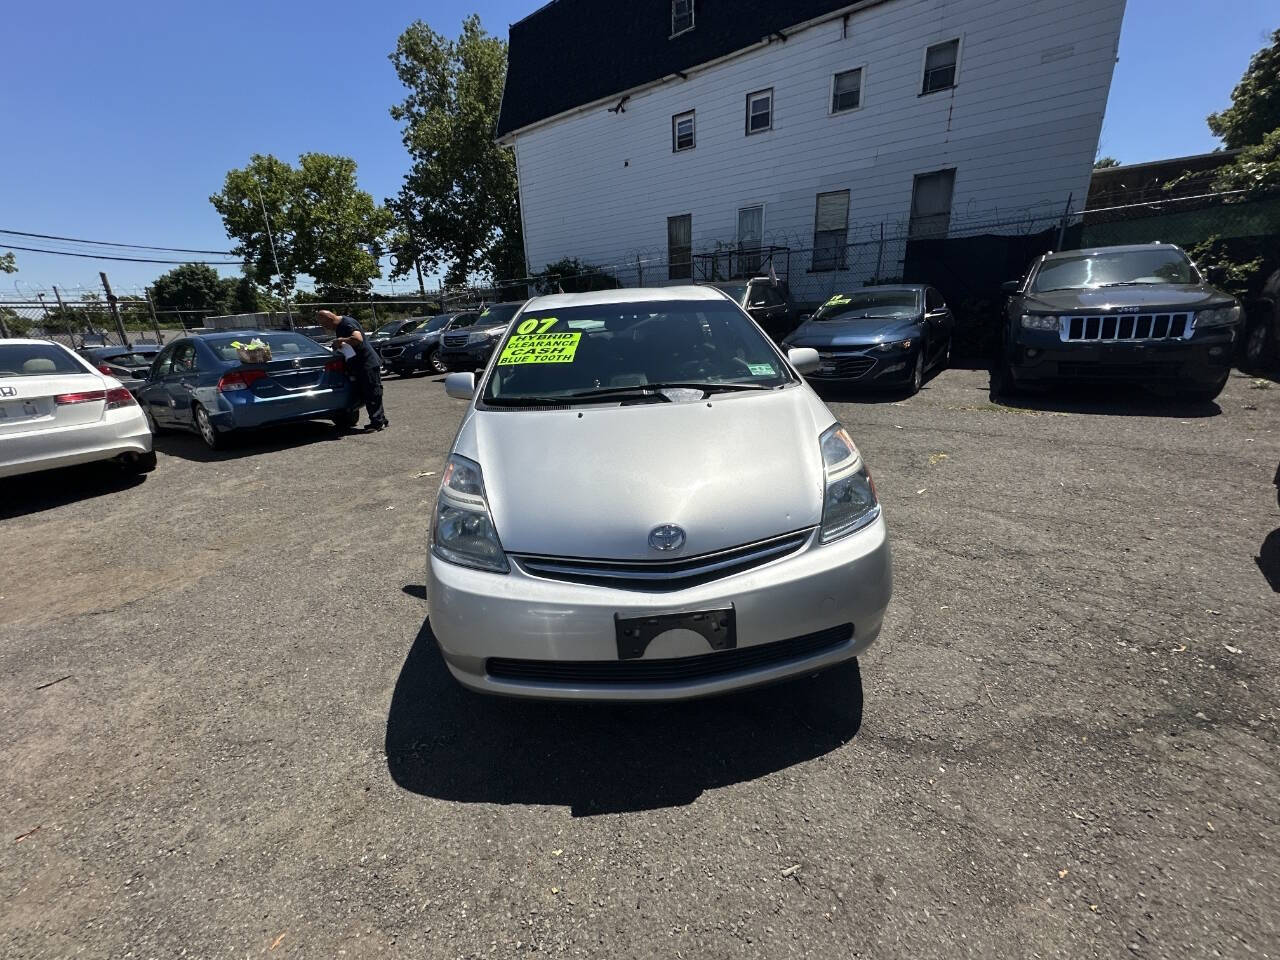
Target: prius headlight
{"points": [[463, 530], [849, 502]]}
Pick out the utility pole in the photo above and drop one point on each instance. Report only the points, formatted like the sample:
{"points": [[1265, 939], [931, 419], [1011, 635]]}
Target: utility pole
{"points": [[1062, 226], [288, 314], [155, 321], [66, 315], [115, 310], [422, 287]]}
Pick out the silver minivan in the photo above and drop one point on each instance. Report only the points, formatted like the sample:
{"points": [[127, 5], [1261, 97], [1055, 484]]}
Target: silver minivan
{"points": [[645, 501]]}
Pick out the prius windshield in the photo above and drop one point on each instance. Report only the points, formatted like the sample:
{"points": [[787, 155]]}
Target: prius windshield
{"points": [[1120, 268], [632, 348]]}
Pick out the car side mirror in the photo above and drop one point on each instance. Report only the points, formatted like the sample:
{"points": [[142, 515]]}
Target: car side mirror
{"points": [[460, 386], [804, 359], [1011, 287]]}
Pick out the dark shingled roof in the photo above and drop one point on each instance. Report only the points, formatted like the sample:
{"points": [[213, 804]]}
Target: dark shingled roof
{"points": [[573, 52]]}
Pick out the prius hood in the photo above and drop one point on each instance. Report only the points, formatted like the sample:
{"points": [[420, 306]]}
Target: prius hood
{"points": [[593, 481]]}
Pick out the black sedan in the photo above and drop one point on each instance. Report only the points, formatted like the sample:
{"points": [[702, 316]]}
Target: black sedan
{"points": [[766, 301], [879, 337], [417, 349], [129, 365]]}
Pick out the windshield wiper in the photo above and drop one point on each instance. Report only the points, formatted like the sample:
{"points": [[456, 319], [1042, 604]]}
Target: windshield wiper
{"points": [[1130, 283], [654, 389]]}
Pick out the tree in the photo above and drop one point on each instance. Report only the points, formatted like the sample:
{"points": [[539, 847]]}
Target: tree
{"points": [[1256, 170], [1103, 163], [1255, 102], [322, 223], [7, 264], [192, 286], [459, 204]]}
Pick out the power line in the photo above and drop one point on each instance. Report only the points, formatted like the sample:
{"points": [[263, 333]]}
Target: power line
{"points": [[104, 243], [103, 256]]}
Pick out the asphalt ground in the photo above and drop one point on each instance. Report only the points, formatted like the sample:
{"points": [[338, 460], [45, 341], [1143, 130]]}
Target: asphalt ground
{"points": [[227, 731]]}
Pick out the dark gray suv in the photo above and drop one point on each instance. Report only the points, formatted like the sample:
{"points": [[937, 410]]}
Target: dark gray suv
{"points": [[1138, 314]]}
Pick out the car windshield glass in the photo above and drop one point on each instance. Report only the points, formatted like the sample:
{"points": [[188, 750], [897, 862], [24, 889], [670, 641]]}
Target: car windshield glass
{"points": [[735, 290], [498, 314], [36, 360], [129, 359], [627, 346], [879, 303], [1121, 268], [387, 329], [432, 324], [281, 344]]}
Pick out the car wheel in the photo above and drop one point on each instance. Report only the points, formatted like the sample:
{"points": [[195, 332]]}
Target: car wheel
{"points": [[917, 372], [434, 363], [142, 463], [208, 432], [1003, 383], [347, 419], [151, 421], [946, 356], [1257, 345]]}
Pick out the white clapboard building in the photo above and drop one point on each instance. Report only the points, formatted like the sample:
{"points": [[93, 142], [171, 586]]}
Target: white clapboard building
{"points": [[646, 132]]}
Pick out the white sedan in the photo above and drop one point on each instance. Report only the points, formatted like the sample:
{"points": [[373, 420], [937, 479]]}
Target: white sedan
{"points": [[56, 410]]}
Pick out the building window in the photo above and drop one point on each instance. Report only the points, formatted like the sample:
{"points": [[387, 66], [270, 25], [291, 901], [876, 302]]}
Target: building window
{"points": [[681, 16], [750, 239], [759, 111], [931, 204], [682, 132], [846, 91], [940, 66], [831, 230], [680, 247]]}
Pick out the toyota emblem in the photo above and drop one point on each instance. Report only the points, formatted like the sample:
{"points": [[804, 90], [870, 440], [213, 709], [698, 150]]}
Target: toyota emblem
{"points": [[666, 537]]}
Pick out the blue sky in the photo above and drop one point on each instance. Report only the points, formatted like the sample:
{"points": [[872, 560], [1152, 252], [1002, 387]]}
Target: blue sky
{"points": [[120, 119]]}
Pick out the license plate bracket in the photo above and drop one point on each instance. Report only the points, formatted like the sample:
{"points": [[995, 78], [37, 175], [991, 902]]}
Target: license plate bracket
{"points": [[719, 627]]}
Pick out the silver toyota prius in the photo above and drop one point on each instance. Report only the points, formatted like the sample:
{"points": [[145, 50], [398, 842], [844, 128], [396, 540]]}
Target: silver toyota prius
{"points": [[645, 501]]}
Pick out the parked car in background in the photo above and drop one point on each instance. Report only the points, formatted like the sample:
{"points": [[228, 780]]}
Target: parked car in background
{"points": [[418, 350], [395, 328], [1139, 314], [199, 383], [766, 301], [879, 337], [1262, 330], [471, 348], [661, 567], [56, 410], [130, 365]]}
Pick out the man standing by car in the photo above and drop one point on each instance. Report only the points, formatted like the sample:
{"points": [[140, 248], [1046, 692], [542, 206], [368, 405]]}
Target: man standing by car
{"points": [[362, 363]]}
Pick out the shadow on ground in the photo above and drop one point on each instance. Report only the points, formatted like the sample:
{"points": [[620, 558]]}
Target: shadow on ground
{"points": [[34, 492], [1268, 559], [1105, 400], [448, 743], [249, 443]]}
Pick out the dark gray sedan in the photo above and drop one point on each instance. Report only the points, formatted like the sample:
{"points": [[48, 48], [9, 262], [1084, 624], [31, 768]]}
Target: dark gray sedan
{"points": [[417, 349], [879, 337]]}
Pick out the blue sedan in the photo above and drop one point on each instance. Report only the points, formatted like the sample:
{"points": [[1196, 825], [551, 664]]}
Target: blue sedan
{"points": [[200, 383]]}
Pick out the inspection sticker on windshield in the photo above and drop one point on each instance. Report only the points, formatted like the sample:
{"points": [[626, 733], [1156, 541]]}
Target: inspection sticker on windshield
{"points": [[540, 348], [761, 369]]}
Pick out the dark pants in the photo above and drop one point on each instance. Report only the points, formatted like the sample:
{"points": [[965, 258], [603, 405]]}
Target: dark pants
{"points": [[368, 383]]}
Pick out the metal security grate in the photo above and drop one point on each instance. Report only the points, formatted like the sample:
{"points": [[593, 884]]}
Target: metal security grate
{"points": [[1127, 326], [843, 366], [664, 574], [673, 669]]}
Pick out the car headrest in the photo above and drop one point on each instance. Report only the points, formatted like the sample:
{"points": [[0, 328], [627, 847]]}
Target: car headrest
{"points": [[39, 365]]}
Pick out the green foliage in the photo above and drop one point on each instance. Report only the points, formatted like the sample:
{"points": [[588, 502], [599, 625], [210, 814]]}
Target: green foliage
{"points": [[322, 223], [7, 264], [459, 204], [570, 275], [192, 286], [12, 321], [1240, 276], [1255, 102], [1256, 170], [1103, 163]]}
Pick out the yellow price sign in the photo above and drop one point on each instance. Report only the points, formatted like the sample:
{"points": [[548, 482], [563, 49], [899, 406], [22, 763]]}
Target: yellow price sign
{"points": [[837, 301], [540, 348]]}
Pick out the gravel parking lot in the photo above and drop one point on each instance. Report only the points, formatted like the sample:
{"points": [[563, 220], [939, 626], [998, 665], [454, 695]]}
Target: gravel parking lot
{"points": [[227, 729]]}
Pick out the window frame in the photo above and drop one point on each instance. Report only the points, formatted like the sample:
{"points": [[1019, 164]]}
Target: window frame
{"points": [[756, 95], [687, 261], [840, 260], [912, 232], [861, 69], [955, 70], [692, 19], [692, 117]]}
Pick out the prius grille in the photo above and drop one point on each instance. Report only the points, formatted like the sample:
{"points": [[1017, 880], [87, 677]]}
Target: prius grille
{"points": [[662, 575]]}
